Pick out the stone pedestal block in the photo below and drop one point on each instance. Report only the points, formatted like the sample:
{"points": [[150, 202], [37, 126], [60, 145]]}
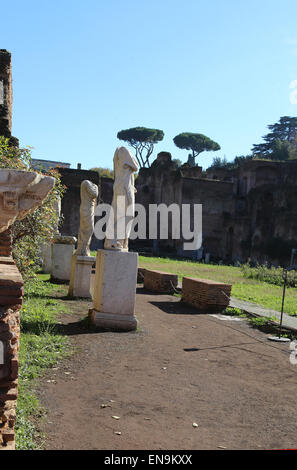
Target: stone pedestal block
{"points": [[63, 250], [115, 290], [81, 273], [47, 258]]}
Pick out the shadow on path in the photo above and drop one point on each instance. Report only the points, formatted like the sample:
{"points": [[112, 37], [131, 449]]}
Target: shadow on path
{"points": [[176, 308]]}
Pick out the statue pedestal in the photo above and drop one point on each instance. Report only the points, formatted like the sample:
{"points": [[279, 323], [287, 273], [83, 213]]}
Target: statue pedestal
{"points": [[46, 254], [115, 290], [62, 253], [80, 279]]}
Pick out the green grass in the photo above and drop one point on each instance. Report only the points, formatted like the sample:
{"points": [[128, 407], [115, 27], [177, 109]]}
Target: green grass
{"points": [[266, 324], [40, 348], [264, 294]]}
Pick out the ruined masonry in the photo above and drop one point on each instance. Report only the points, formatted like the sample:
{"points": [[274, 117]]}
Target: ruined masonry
{"points": [[20, 193], [6, 96], [205, 295], [11, 297], [158, 281]]}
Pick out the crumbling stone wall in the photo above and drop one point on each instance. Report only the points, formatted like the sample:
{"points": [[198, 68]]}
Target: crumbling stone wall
{"points": [[243, 208], [5, 93], [6, 97], [164, 184], [11, 296]]}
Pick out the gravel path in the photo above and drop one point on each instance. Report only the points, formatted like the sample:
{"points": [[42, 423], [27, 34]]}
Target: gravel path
{"points": [[145, 389]]}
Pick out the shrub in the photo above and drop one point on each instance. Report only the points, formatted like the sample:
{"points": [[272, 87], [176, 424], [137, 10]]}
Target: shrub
{"points": [[103, 172], [270, 275]]}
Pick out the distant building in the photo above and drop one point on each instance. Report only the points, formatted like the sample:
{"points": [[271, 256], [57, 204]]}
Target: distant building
{"points": [[46, 164]]}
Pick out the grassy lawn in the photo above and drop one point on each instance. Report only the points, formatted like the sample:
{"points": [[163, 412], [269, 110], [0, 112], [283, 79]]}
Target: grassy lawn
{"points": [[40, 348], [261, 293]]}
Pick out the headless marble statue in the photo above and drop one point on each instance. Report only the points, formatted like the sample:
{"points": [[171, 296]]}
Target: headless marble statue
{"points": [[88, 195], [123, 204]]}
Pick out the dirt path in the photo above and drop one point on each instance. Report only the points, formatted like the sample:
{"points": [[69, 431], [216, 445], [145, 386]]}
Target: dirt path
{"points": [[178, 369]]}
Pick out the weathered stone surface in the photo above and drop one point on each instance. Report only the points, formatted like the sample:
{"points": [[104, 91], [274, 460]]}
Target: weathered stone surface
{"points": [[6, 259], [11, 291], [140, 275], [80, 279], [61, 261], [206, 295], [113, 321], [9, 337], [158, 281], [6, 247], [6, 93], [125, 166], [10, 276], [21, 192], [46, 251], [89, 195], [115, 290], [65, 240]]}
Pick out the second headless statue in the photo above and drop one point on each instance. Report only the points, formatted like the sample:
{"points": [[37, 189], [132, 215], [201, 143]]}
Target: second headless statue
{"points": [[123, 203], [88, 195]]}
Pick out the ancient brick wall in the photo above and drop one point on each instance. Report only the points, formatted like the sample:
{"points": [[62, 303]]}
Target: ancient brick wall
{"points": [[237, 217], [5, 243], [205, 295], [11, 296], [158, 281]]}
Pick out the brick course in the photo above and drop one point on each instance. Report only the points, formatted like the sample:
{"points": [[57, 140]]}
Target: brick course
{"points": [[206, 295], [158, 281], [5, 244]]}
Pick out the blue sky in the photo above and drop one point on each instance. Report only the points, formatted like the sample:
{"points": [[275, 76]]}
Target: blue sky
{"points": [[83, 70]]}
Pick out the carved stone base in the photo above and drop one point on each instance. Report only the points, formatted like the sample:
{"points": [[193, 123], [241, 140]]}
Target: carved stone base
{"points": [[46, 254], [62, 253], [112, 321], [115, 290], [81, 273]]}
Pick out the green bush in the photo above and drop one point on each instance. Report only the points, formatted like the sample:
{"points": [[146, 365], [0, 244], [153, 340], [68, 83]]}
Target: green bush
{"points": [[103, 172], [271, 275]]}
